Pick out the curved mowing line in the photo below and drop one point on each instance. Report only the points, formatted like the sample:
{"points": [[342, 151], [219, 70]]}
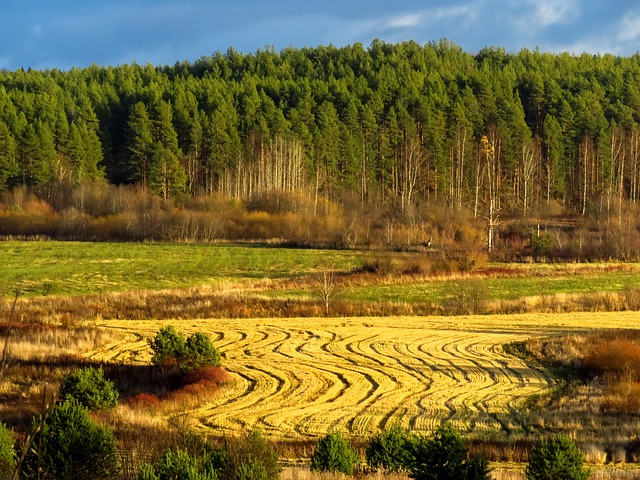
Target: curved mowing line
{"points": [[300, 378]]}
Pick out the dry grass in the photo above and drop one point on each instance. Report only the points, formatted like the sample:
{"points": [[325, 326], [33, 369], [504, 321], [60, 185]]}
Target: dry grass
{"points": [[296, 378]]}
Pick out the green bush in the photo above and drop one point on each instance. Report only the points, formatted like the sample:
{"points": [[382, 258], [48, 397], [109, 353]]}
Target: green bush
{"points": [[89, 388], [558, 458], [171, 348], [199, 353], [333, 454], [445, 457], [390, 450], [177, 465], [7, 452], [251, 457], [167, 346], [71, 446]]}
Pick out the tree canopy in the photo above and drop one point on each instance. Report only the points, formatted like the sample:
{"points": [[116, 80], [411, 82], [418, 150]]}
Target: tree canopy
{"points": [[392, 122]]}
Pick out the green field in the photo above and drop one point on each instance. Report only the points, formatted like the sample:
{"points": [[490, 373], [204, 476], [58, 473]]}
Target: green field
{"points": [[74, 268]]}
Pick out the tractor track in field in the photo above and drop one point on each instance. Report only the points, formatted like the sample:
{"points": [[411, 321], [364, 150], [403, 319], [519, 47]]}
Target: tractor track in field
{"points": [[301, 378]]}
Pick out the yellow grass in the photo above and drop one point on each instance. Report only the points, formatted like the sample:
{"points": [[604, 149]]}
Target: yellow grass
{"points": [[301, 378]]}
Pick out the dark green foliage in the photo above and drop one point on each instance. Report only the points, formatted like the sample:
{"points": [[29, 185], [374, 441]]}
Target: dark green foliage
{"points": [[541, 244], [391, 450], [334, 454], [351, 115], [558, 458], [7, 452], [250, 457], [171, 348], [177, 465], [71, 447], [167, 346], [89, 388], [445, 457], [199, 352]]}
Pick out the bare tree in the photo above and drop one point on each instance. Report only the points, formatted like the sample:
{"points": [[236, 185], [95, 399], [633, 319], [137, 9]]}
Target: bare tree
{"points": [[327, 288]]}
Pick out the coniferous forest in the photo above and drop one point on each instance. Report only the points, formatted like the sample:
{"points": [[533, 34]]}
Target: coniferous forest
{"points": [[404, 129]]}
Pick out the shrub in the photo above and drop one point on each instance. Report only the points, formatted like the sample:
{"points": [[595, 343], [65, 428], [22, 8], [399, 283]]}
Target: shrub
{"points": [[71, 446], [556, 459], [177, 464], [199, 353], [7, 452], [89, 387], [251, 457], [170, 348], [168, 345], [390, 450], [333, 454], [445, 457]]}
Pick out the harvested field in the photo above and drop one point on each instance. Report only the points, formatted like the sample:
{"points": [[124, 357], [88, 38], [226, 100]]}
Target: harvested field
{"points": [[301, 378]]}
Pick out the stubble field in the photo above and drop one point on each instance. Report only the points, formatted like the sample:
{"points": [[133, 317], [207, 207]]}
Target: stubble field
{"points": [[301, 378]]}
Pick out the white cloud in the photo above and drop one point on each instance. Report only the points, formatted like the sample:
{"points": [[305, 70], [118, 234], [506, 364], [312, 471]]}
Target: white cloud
{"points": [[551, 12], [404, 21], [629, 29]]}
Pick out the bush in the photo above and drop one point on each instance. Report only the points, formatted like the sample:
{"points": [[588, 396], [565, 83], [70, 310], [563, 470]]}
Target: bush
{"points": [[89, 388], [333, 454], [445, 457], [556, 459], [199, 353], [71, 446], [251, 458], [168, 345], [170, 348], [7, 452], [177, 465], [390, 450]]}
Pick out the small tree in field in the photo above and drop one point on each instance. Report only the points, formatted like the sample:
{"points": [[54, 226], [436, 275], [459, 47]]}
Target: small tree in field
{"points": [[333, 454], [167, 346], [558, 458], [391, 450], [171, 348], [89, 387], [71, 447], [445, 457]]}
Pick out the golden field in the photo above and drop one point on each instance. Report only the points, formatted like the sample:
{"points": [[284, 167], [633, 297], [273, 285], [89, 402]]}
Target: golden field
{"points": [[299, 378]]}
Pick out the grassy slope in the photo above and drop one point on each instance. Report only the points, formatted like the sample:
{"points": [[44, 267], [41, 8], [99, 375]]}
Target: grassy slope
{"points": [[73, 268]]}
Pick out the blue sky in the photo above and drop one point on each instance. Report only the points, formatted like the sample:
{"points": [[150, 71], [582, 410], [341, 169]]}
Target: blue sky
{"points": [[66, 33]]}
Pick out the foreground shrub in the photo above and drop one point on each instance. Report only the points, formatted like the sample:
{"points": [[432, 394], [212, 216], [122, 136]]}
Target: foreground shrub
{"points": [[445, 457], [390, 450], [171, 348], [7, 452], [251, 457], [71, 446], [178, 465], [333, 454], [556, 459], [89, 388]]}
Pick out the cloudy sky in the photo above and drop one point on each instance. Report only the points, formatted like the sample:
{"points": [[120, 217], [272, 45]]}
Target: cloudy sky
{"points": [[66, 33]]}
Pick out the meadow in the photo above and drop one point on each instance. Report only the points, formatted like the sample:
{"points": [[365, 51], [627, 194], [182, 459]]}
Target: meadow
{"points": [[381, 356]]}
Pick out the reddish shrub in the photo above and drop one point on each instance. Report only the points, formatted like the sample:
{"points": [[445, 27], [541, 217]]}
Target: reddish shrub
{"points": [[616, 358], [142, 400]]}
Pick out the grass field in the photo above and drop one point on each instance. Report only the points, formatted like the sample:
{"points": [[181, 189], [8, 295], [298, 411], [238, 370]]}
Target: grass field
{"points": [[73, 268], [301, 378]]}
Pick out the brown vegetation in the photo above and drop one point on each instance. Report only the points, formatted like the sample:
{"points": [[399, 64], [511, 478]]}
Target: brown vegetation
{"points": [[98, 211]]}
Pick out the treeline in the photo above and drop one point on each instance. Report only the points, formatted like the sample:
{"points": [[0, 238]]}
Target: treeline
{"points": [[393, 125]]}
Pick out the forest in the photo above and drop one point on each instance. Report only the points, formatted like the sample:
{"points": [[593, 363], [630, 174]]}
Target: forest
{"points": [[394, 128]]}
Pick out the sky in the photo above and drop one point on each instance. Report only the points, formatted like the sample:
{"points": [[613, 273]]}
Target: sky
{"points": [[62, 34]]}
